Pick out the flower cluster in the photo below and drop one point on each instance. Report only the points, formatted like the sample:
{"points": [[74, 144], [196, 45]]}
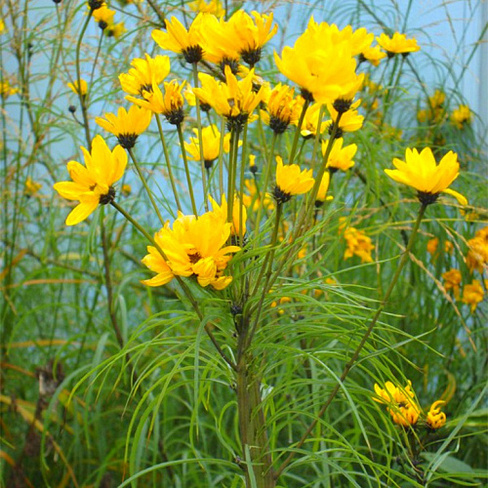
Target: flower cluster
{"points": [[357, 242]]}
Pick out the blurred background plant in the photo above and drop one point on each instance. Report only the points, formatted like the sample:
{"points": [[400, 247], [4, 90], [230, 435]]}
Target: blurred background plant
{"points": [[108, 382]]}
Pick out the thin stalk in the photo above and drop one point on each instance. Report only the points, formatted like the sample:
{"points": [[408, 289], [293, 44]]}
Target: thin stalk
{"points": [[96, 56], [221, 157], [200, 140], [359, 348], [241, 182], [231, 183], [187, 170], [146, 187], [168, 163], [389, 94], [298, 132]]}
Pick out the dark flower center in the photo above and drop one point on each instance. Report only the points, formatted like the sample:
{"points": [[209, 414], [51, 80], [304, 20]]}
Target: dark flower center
{"points": [[109, 197], [193, 54], [281, 196]]}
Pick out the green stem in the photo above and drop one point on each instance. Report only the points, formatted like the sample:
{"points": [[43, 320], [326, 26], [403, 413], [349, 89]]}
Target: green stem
{"points": [[232, 172], [146, 187], [362, 343], [187, 170], [298, 131]]}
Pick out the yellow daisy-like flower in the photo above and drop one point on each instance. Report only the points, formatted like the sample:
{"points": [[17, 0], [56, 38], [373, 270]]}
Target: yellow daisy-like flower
{"points": [[169, 103], [31, 187], [103, 16], [126, 126], [350, 120], [473, 294], [250, 35], [213, 7], [401, 403], [461, 116], [82, 89], [253, 200], [282, 109], [321, 63], [233, 99], [92, 183], [116, 30], [144, 72], [398, 44], [435, 418], [452, 281], [477, 257], [2, 26], [179, 40], [193, 247], [420, 171], [437, 99], [311, 121], [211, 145], [322, 192], [291, 180], [340, 158], [357, 242], [372, 54], [239, 213]]}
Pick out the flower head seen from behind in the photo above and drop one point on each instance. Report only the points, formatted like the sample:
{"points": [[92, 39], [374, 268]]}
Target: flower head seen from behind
{"points": [[435, 418], [322, 196], [92, 183], [401, 403], [420, 171], [290, 181], [397, 44], [193, 247], [126, 126]]}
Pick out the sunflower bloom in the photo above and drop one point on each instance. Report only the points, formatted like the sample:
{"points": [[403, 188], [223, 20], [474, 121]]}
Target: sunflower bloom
{"points": [[321, 63], [420, 171], [340, 158], [473, 294], [398, 44], [211, 145], [193, 247], [401, 403], [169, 103], [126, 126], [290, 181], [233, 99], [92, 183], [179, 40], [282, 109], [435, 418], [143, 73]]}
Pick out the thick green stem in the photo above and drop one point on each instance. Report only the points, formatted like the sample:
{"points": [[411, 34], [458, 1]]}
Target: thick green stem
{"points": [[362, 343]]}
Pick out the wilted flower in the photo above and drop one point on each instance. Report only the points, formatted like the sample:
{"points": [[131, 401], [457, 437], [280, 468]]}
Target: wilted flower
{"points": [[435, 418], [398, 44], [401, 403], [193, 247], [126, 126], [92, 184], [452, 281], [421, 172], [473, 294], [291, 180]]}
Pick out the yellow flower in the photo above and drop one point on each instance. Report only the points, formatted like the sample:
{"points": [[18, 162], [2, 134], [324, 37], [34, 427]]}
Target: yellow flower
{"points": [[253, 200], [2, 26], [126, 190], [401, 403], [372, 54], [127, 126], [31, 187], [461, 116], [311, 121], [433, 244], [250, 35], [239, 213], [421, 172], [321, 63], [140, 78], [282, 109], [350, 120], [435, 418], [291, 180], [170, 104], [92, 184], [322, 192], [211, 145], [437, 99], [233, 99], [473, 294], [340, 158], [103, 16], [357, 242], [213, 7], [398, 44], [116, 30], [83, 87], [179, 40], [477, 256], [452, 281], [193, 247]]}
